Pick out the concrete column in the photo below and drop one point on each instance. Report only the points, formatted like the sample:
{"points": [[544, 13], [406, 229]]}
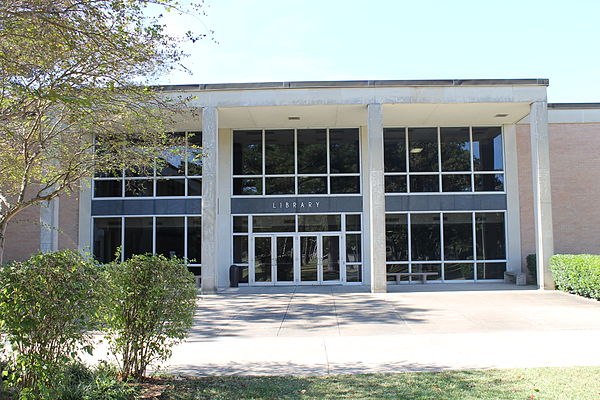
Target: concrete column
{"points": [[513, 210], [210, 202], [375, 196], [49, 225], [84, 242], [225, 254], [542, 195]]}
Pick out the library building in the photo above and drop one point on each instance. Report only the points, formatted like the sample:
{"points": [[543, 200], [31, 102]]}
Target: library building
{"points": [[373, 183]]}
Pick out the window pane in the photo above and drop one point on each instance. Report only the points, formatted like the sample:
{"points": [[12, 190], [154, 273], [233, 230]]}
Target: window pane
{"points": [[138, 236], [397, 268], [240, 249], [240, 224], [247, 186], [169, 236], [456, 183], [396, 237], [354, 273], [459, 272], [194, 186], [353, 222], [424, 183], [343, 151], [312, 151], [319, 223], [274, 223], [395, 184], [312, 185], [345, 184], [394, 149], [425, 236], [458, 236], [280, 185], [489, 182], [423, 149], [427, 268], [107, 238], [353, 253], [279, 152], [194, 237], [247, 153], [243, 274], [170, 187], [139, 172], [456, 149], [487, 149], [139, 187], [490, 238], [490, 270], [172, 162], [194, 153], [111, 188]]}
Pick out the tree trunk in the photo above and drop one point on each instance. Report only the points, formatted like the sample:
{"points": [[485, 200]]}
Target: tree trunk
{"points": [[3, 225]]}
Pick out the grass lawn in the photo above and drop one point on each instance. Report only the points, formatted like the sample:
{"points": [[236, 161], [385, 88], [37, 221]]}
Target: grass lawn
{"points": [[524, 384]]}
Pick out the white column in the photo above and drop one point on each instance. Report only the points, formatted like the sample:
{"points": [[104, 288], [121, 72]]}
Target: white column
{"points": [[210, 129], [49, 225], [513, 210], [375, 198], [85, 217], [542, 195]]}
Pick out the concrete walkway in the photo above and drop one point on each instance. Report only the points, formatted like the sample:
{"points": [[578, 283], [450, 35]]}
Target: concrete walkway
{"points": [[326, 330]]}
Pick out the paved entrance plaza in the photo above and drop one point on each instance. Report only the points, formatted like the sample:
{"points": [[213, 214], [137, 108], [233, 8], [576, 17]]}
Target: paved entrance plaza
{"points": [[320, 330]]}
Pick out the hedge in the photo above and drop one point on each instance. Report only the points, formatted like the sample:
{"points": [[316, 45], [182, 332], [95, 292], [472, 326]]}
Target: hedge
{"points": [[577, 273]]}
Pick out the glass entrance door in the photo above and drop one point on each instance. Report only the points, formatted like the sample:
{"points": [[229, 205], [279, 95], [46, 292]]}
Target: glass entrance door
{"points": [[284, 261], [320, 259], [273, 259]]}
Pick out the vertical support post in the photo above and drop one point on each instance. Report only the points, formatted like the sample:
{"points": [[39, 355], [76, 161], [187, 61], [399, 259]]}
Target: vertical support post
{"points": [[513, 210], [210, 133], [542, 195], [84, 241], [376, 198], [49, 225]]}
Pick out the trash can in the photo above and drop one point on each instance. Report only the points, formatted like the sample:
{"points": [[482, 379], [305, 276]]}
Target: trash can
{"points": [[234, 276]]}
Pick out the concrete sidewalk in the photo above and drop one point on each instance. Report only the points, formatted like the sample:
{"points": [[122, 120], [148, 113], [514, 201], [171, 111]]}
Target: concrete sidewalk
{"points": [[321, 330]]}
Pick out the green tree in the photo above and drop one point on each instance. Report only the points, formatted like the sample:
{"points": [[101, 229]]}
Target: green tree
{"points": [[73, 70]]}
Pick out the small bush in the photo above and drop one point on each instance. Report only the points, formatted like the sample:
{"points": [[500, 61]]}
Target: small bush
{"points": [[99, 383], [47, 308], [578, 274], [149, 306], [531, 269]]}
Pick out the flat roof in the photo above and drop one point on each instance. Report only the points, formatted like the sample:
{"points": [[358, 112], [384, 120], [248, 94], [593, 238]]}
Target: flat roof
{"points": [[573, 106], [357, 84]]}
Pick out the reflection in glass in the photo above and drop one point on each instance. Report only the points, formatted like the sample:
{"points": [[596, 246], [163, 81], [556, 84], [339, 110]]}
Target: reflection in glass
{"points": [[285, 259], [343, 151], [169, 236], [394, 149], [240, 249], [139, 188], [345, 184], [280, 185], [425, 236], [353, 253], [423, 149], [108, 188], [396, 237], [194, 154], [490, 270], [243, 273], [170, 187], [308, 258], [395, 184], [107, 238], [312, 151], [274, 223], [172, 164], [331, 258], [456, 149], [354, 273], [247, 153], [427, 268], [312, 185], [194, 240], [397, 268], [490, 236], [262, 262], [458, 236], [487, 149], [319, 223], [194, 186], [240, 223], [279, 152], [247, 186], [489, 182], [458, 271], [353, 222], [138, 236], [424, 183], [456, 183]]}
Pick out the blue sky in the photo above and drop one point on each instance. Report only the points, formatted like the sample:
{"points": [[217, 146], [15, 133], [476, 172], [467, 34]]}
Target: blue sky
{"points": [[285, 40]]}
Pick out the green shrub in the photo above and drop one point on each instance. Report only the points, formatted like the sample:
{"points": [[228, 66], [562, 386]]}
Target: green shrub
{"points": [[47, 308], [149, 306], [578, 274], [531, 269], [99, 383]]}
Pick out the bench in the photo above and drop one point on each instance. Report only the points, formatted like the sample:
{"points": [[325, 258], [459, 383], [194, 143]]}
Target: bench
{"points": [[517, 277], [423, 275]]}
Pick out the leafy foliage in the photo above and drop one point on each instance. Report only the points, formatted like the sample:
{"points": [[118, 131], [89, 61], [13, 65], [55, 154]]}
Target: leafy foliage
{"points": [[47, 308], [149, 306], [577, 273], [99, 383]]}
